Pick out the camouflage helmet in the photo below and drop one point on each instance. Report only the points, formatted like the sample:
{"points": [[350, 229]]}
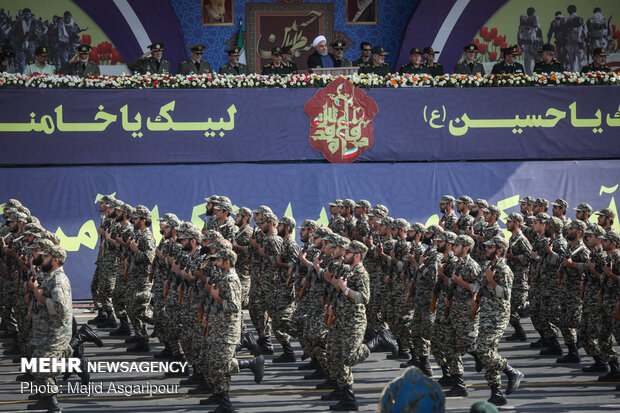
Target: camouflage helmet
{"points": [[339, 241], [170, 220], [56, 252], [105, 199], [595, 230], [221, 244], [262, 209], [41, 244], [224, 206], [183, 226], [362, 203], [321, 232], [561, 203], [380, 211], [401, 223], [214, 199], [348, 203], [190, 233], [493, 210], [542, 217], [19, 217], [268, 217], [387, 221], [541, 202], [32, 229], [612, 236], [212, 235], [481, 203], [447, 236], [417, 227], [124, 207], [53, 238], [336, 203], [288, 222], [12, 203]]}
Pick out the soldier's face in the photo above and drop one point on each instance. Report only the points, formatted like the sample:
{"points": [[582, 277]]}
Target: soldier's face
{"points": [[415, 58], [281, 230], [186, 244], [470, 55], [334, 210], [102, 207], [196, 56], [602, 220], [460, 206], [219, 213], [83, 57], [457, 249], [338, 52], [120, 216], [13, 226], [443, 207], [349, 257], [557, 211], [233, 60], [591, 240], [46, 265], [337, 252], [608, 245], [441, 246], [510, 58], [157, 54], [287, 57], [546, 57], [37, 258], [29, 238], [429, 57], [219, 263], [487, 216], [318, 242], [209, 209], [580, 215], [238, 220], [523, 206], [600, 60], [491, 251], [377, 59], [510, 225], [304, 235], [277, 59], [572, 234]]}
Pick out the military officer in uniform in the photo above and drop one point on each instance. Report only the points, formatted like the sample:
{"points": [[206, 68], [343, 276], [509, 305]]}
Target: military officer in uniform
{"points": [[277, 67], [509, 64], [415, 66], [435, 69], [598, 62], [469, 66], [287, 59], [548, 63], [151, 62], [195, 64], [233, 67], [41, 65], [338, 50], [366, 48], [80, 65], [376, 65]]}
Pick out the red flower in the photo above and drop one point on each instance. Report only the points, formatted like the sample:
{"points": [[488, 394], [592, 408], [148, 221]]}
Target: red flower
{"points": [[85, 39], [492, 56], [494, 33], [483, 31]]}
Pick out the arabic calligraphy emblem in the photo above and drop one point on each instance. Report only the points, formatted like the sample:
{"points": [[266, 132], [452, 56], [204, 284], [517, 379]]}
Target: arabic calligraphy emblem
{"points": [[341, 125]]}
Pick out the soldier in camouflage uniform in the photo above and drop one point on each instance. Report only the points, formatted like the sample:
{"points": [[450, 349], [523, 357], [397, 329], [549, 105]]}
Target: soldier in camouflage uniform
{"points": [[590, 326], [492, 297], [225, 224], [345, 348], [526, 205], [465, 221], [336, 222], [606, 218], [539, 242], [211, 221], [260, 288], [610, 296], [464, 330], [223, 331], [346, 212], [241, 246], [449, 218], [362, 228], [139, 283], [6, 310], [570, 278], [559, 208], [104, 210], [518, 258], [477, 211], [550, 289]]}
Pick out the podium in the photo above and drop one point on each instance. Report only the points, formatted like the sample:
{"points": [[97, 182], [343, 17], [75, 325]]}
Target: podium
{"points": [[335, 71]]}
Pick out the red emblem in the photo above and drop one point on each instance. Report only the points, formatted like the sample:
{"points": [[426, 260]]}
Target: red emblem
{"points": [[341, 121]]}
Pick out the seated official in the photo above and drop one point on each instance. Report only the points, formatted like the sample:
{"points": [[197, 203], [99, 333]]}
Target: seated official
{"points": [[599, 56], [509, 64], [435, 69], [366, 49], [321, 57], [41, 65], [233, 67], [338, 50], [548, 64], [194, 64], [415, 65], [80, 64], [276, 67], [287, 59], [151, 61], [469, 66], [377, 65]]}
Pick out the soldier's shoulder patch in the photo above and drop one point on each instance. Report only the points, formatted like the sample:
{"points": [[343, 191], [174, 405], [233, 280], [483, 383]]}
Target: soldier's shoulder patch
{"points": [[267, 65], [49, 62]]}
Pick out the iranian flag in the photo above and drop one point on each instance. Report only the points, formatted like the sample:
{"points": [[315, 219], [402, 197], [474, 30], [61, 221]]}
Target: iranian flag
{"points": [[240, 43]]}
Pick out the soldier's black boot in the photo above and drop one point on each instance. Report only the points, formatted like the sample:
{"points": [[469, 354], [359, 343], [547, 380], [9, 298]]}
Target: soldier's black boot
{"points": [[384, 338], [195, 378], [479, 366], [25, 377], [166, 353], [224, 406], [142, 346], [425, 366], [327, 385], [540, 343], [181, 372], [14, 349], [123, 330], [458, 387], [599, 365], [614, 372], [256, 365], [264, 343], [401, 354], [311, 365], [336, 394], [519, 334], [100, 316], [85, 334], [348, 401], [318, 374], [413, 361], [553, 348], [203, 387], [572, 356], [213, 399], [514, 378], [288, 356], [446, 379], [370, 332], [497, 397], [109, 322], [248, 341], [49, 403]]}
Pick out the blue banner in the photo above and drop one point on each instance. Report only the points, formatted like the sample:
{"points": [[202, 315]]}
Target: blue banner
{"points": [[64, 197], [249, 125]]}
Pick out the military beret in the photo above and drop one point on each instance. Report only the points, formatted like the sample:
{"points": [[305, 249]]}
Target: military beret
{"points": [[465, 200], [497, 241], [447, 199], [527, 200], [227, 255], [387, 221], [309, 224], [141, 212], [465, 240], [214, 199], [212, 235], [584, 207], [435, 230], [358, 248], [606, 212], [513, 216], [362, 203], [472, 47], [41, 244], [542, 217], [288, 222], [541, 202], [339, 242], [156, 46], [481, 203], [580, 225], [556, 223], [244, 212], [197, 48], [83, 49], [261, 209], [348, 203], [561, 203], [12, 203], [417, 227], [401, 223], [18, 216], [447, 236], [50, 236], [493, 210], [32, 229], [190, 233], [56, 252], [224, 206], [595, 230], [612, 236], [336, 203], [170, 220], [268, 217]]}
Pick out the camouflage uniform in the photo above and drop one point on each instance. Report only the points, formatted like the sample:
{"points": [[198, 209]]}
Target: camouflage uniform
{"points": [[242, 267], [549, 288], [590, 325], [423, 318], [401, 312], [283, 297], [108, 262], [521, 250], [120, 286], [269, 273], [305, 306], [441, 327], [259, 288], [610, 291]]}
